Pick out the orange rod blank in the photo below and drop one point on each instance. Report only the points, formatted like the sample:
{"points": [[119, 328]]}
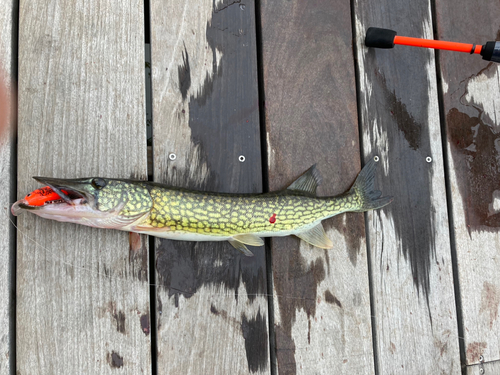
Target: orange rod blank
{"points": [[437, 44]]}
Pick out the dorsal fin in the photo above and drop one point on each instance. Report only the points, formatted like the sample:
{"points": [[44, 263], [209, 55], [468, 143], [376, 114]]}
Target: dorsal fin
{"points": [[308, 182]]}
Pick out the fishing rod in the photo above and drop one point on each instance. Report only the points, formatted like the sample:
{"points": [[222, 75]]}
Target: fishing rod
{"points": [[385, 38]]}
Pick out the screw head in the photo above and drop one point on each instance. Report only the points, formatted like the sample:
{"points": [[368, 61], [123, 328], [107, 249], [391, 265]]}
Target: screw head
{"points": [[376, 158], [172, 156], [241, 158]]}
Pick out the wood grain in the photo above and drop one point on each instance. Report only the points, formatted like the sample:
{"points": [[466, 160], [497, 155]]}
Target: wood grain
{"points": [[321, 297], [8, 71], [212, 303], [82, 296], [484, 368], [471, 109], [412, 284]]}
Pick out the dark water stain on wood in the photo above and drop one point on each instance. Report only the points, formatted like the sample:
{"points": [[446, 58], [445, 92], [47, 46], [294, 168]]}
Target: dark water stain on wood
{"points": [[296, 281], [115, 360], [221, 313], [145, 326], [411, 129], [285, 351], [214, 310], [120, 321], [224, 114], [352, 226], [476, 158], [184, 267], [254, 332], [330, 298], [409, 179], [159, 309], [184, 74]]}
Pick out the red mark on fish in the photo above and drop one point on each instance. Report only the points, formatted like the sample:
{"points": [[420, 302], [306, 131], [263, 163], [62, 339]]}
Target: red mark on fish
{"points": [[272, 219]]}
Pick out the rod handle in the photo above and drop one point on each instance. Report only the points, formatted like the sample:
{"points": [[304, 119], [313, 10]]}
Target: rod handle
{"points": [[379, 38], [491, 51]]}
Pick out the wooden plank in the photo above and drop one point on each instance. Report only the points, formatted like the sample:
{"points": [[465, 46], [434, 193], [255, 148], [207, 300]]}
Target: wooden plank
{"points": [[471, 111], [321, 297], [83, 297], [212, 303], [8, 70], [486, 368], [412, 283]]}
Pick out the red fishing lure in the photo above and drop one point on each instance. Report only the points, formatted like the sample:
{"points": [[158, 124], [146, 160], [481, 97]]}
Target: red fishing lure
{"points": [[40, 196]]}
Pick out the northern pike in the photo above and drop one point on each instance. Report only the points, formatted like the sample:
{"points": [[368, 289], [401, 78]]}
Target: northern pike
{"points": [[180, 214]]}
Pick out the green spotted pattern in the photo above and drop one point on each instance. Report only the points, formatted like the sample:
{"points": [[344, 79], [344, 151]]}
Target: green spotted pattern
{"points": [[227, 215], [134, 197]]}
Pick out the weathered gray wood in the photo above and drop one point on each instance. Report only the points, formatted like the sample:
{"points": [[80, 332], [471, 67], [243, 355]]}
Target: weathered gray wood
{"points": [[82, 297], [487, 368], [321, 297], [472, 111], [411, 272], [212, 304], [8, 67]]}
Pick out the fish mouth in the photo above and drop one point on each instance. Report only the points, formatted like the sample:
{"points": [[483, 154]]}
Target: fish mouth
{"points": [[72, 193]]}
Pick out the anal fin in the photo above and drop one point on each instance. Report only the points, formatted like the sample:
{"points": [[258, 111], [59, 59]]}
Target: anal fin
{"points": [[316, 236]]}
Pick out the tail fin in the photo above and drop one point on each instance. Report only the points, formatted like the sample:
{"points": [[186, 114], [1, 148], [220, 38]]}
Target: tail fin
{"points": [[364, 190]]}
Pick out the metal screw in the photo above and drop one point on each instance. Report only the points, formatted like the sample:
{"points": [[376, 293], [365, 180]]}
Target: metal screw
{"points": [[241, 158], [481, 358], [428, 159], [242, 6], [376, 158], [172, 156], [481, 371]]}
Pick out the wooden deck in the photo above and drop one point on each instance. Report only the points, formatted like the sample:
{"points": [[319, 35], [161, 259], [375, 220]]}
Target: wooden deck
{"points": [[245, 97]]}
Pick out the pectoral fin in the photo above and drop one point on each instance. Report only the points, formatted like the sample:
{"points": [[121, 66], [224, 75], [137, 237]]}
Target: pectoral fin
{"points": [[317, 237], [241, 247]]}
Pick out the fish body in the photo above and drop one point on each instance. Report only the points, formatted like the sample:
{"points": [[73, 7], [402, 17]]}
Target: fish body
{"points": [[180, 214]]}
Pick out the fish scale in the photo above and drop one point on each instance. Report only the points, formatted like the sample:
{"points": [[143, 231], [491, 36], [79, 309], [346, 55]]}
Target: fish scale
{"points": [[222, 214]]}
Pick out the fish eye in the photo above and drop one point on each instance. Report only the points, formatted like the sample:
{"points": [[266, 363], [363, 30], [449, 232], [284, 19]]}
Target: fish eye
{"points": [[98, 183]]}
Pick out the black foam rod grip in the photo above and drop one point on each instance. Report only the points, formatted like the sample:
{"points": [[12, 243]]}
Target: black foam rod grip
{"points": [[379, 38], [491, 51]]}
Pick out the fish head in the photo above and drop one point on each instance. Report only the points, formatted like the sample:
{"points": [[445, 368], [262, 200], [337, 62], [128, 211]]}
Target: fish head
{"points": [[97, 202]]}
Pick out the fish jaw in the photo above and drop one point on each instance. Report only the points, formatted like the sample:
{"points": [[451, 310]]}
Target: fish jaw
{"points": [[95, 202], [77, 213]]}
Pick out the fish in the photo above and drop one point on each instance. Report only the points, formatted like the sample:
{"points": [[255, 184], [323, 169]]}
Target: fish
{"points": [[180, 214]]}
